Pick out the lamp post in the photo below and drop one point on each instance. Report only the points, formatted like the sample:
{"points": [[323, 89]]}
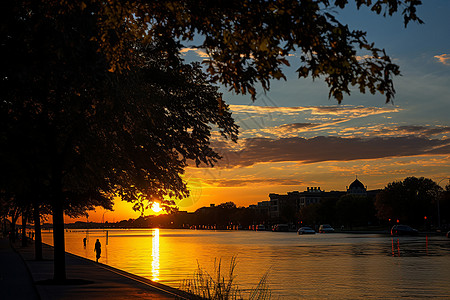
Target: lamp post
{"points": [[438, 200], [103, 219]]}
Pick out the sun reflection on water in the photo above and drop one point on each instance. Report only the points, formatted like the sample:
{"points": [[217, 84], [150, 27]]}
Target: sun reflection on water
{"points": [[155, 255]]}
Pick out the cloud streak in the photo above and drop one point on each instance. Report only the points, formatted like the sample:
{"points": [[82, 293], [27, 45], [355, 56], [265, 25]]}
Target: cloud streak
{"points": [[254, 120], [341, 110], [443, 59], [418, 130], [320, 149], [197, 51], [247, 182], [391, 131]]}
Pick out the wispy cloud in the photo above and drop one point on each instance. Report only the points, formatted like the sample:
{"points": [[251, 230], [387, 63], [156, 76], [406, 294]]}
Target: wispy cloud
{"points": [[317, 110], [341, 110], [286, 130], [255, 181], [364, 57], [420, 130], [199, 52], [391, 130], [444, 59], [264, 121]]}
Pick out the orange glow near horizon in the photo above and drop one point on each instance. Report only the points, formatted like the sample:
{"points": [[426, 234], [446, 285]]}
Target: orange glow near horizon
{"points": [[249, 185]]}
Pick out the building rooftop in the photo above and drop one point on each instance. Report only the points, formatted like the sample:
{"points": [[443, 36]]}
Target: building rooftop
{"points": [[356, 185]]}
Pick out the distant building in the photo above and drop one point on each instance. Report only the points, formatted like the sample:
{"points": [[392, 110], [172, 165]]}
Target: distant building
{"points": [[293, 200], [276, 202], [280, 203], [264, 207], [357, 188], [312, 195]]}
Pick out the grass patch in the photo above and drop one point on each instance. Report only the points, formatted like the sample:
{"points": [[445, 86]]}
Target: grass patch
{"points": [[219, 286]]}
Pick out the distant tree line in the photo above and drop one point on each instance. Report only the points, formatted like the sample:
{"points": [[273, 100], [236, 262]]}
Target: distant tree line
{"points": [[413, 201], [223, 216]]}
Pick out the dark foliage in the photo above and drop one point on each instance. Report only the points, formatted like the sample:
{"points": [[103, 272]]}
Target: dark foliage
{"points": [[355, 210], [79, 133], [409, 200]]}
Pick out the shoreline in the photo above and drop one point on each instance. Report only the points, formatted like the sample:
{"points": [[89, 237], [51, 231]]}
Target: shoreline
{"points": [[152, 284], [89, 279], [362, 231]]}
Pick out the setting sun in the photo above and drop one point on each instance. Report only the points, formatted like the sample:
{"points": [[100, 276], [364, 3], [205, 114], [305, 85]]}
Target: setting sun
{"points": [[156, 207]]}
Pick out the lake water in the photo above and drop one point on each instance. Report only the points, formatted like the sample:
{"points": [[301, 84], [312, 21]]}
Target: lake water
{"points": [[321, 266]]}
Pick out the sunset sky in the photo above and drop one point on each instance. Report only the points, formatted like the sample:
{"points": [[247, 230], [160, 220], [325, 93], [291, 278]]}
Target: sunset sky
{"points": [[294, 137]]}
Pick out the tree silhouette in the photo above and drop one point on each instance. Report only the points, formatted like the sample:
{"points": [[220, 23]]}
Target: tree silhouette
{"points": [[445, 206], [93, 133], [355, 210], [409, 200], [249, 41], [10, 209]]}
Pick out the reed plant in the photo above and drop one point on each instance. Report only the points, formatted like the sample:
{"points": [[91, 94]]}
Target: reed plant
{"points": [[222, 287]]}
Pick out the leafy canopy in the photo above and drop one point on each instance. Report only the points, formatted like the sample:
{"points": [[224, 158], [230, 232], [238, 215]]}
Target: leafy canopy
{"points": [[88, 133], [409, 200], [249, 41]]}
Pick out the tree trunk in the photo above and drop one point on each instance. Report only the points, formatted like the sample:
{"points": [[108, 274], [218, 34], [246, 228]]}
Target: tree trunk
{"points": [[4, 231], [12, 234], [59, 263], [24, 228], [37, 232], [13, 227]]}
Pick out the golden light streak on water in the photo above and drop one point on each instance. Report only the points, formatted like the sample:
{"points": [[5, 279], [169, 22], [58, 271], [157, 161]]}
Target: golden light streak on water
{"points": [[155, 255]]}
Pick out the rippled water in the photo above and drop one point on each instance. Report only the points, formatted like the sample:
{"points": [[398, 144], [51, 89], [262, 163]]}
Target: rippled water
{"points": [[330, 266]]}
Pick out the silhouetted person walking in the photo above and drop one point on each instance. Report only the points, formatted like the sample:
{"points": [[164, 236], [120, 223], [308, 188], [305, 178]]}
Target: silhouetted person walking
{"points": [[84, 242], [98, 249]]}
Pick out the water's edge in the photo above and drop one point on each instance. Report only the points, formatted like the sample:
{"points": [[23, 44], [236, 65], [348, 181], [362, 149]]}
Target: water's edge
{"points": [[155, 285]]}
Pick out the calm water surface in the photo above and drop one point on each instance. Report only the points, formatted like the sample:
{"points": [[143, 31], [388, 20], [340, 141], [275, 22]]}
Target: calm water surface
{"points": [[344, 266]]}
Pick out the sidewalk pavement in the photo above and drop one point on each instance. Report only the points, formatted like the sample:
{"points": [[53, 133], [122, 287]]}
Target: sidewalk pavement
{"points": [[15, 280], [90, 280]]}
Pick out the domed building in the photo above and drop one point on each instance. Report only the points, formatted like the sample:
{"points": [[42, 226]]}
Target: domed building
{"points": [[357, 188]]}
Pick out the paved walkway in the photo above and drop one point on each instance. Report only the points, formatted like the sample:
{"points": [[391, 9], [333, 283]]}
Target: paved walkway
{"points": [[95, 280], [15, 280]]}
